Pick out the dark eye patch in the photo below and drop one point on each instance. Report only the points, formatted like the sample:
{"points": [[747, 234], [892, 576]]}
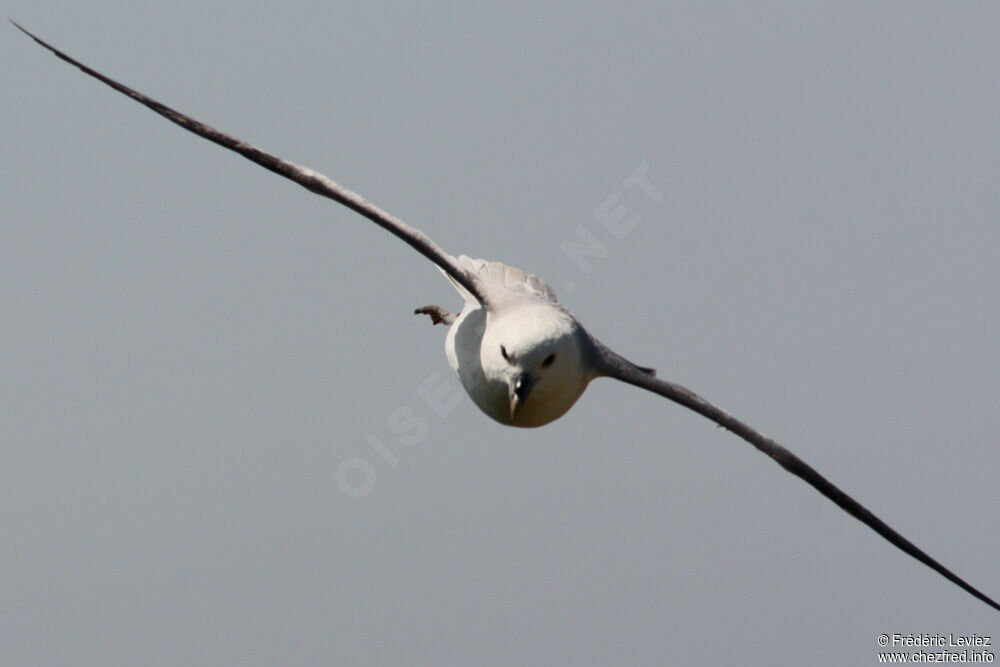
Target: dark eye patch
{"points": [[503, 353], [548, 360]]}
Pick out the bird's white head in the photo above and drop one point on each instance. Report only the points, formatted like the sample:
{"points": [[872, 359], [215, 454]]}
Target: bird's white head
{"points": [[536, 361]]}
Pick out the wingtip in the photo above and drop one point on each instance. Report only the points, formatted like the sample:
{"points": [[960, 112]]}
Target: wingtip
{"points": [[27, 32]]}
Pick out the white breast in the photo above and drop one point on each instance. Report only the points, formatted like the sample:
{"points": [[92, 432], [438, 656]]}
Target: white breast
{"points": [[462, 347]]}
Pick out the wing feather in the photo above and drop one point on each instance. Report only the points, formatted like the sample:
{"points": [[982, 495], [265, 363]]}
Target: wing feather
{"points": [[610, 364], [307, 178], [510, 278]]}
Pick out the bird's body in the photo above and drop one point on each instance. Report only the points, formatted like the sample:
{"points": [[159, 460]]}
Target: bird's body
{"points": [[525, 337], [523, 358]]}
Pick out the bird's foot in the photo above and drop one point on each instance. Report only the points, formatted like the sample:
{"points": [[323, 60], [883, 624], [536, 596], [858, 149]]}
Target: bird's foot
{"points": [[437, 314]]}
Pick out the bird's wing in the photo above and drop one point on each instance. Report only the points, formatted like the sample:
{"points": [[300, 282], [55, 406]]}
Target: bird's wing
{"points": [[503, 280], [304, 176], [610, 364]]}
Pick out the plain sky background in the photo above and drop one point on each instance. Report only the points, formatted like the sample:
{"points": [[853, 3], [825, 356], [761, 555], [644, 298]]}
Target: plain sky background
{"points": [[190, 346]]}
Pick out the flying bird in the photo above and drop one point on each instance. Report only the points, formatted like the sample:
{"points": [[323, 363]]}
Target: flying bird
{"points": [[521, 356]]}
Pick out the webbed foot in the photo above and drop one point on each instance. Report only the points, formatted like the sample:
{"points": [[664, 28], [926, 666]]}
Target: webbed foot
{"points": [[437, 314]]}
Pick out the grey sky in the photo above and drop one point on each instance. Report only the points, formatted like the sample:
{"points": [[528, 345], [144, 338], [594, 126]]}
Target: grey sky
{"points": [[192, 346]]}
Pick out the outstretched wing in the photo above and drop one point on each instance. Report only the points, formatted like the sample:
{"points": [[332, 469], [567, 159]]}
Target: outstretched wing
{"points": [[304, 176], [610, 364]]}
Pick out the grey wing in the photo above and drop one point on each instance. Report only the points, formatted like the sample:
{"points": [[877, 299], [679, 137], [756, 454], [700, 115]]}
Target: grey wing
{"points": [[503, 279], [610, 364], [304, 176]]}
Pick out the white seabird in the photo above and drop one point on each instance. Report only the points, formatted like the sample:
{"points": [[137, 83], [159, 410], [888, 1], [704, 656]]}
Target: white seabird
{"points": [[523, 358]]}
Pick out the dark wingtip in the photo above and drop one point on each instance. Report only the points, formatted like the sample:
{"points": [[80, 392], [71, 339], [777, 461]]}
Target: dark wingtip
{"points": [[21, 28], [29, 33]]}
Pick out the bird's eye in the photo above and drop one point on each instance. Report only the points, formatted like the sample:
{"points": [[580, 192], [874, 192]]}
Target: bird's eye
{"points": [[503, 353], [548, 360]]}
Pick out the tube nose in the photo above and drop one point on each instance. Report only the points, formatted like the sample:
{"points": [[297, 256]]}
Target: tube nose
{"points": [[520, 387]]}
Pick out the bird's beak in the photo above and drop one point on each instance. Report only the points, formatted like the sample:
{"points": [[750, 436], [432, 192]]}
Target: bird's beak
{"points": [[520, 386]]}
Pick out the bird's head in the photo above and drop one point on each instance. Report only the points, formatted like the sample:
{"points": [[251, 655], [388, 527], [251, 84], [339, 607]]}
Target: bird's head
{"points": [[536, 357]]}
